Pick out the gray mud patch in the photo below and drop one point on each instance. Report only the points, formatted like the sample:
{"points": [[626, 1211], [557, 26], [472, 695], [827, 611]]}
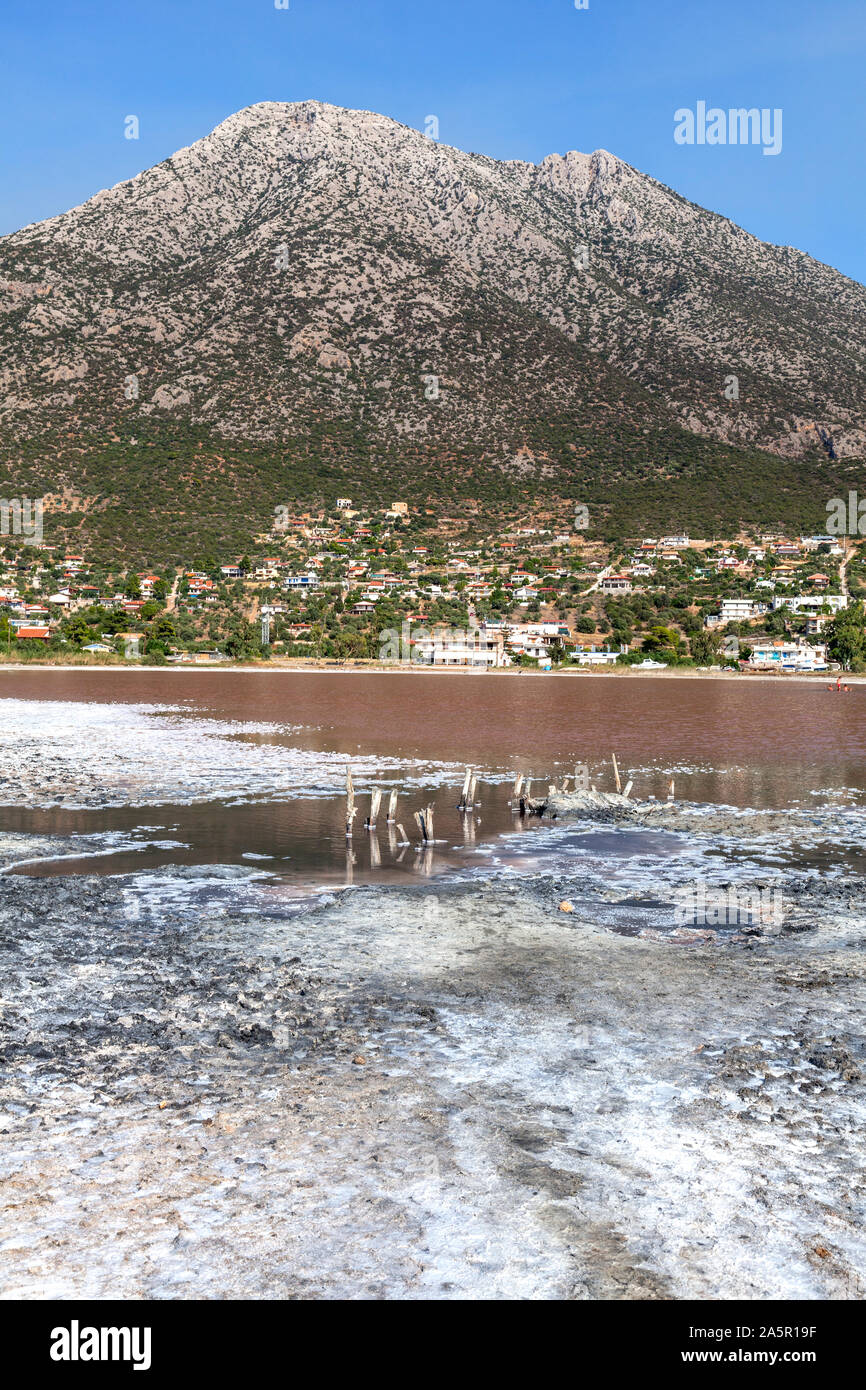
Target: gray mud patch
{"points": [[450, 1092]]}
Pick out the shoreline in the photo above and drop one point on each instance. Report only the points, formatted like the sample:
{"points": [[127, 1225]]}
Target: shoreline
{"points": [[272, 668]]}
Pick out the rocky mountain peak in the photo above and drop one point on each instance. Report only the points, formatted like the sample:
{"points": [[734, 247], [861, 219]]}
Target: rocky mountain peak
{"points": [[305, 262]]}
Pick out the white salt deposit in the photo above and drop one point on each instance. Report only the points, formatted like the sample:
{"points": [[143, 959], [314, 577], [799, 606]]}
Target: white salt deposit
{"points": [[58, 753]]}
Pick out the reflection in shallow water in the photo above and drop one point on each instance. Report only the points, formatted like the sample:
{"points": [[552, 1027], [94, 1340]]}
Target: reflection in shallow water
{"points": [[742, 741], [303, 845], [303, 842], [745, 744]]}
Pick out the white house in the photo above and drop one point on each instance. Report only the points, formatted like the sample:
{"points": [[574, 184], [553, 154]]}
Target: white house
{"points": [[805, 603], [788, 656], [540, 629], [736, 610], [812, 542], [301, 581], [595, 656], [455, 648]]}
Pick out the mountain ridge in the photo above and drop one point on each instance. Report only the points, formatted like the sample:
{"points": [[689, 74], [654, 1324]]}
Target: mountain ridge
{"points": [[306, 268]]}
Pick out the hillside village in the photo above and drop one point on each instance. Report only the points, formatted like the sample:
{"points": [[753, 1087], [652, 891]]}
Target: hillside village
{"points": [[406, 584]]}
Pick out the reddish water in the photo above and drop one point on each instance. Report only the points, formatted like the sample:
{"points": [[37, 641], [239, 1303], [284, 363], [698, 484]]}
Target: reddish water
{"points": [[740, 742], [761, 742]]}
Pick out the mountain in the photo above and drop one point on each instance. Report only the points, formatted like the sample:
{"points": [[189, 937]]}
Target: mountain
{"points": [[312, 299]]}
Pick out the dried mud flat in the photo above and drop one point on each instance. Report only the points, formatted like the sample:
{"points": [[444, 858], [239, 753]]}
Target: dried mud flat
{"points": [[455, 1091]]}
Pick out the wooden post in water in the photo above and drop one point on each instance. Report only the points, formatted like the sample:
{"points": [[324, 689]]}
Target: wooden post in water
{"points": [[616, 774], [424, 822], [375, 803], [392, 807], [464, 795], [671, 792], [628, 787], [351, 809], [472, 789], [518, 784]]}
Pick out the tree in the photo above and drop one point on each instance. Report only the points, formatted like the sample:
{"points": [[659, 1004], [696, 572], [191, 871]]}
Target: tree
{"points": [[78, 631], [163, 631], [351, 644], [115, 621], [704, 647], [662, 639], [556, 648], [243, 640], [846, 637]]}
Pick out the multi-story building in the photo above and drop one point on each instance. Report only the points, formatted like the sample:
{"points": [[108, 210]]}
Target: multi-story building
{"points": [[788, 656], [451, 647]]}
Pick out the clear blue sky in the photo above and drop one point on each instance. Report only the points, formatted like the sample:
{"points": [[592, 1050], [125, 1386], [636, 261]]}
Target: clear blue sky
{"points": [[509, 78]]}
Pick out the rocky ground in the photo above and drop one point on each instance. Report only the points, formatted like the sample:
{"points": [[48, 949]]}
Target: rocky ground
{"points": [[443, 1091]]}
